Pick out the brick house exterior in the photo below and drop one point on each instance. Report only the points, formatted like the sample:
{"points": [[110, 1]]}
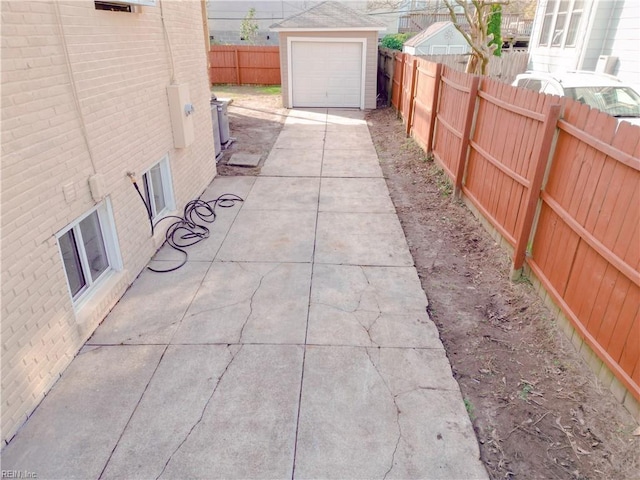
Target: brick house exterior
{"points": [[85, 99]]}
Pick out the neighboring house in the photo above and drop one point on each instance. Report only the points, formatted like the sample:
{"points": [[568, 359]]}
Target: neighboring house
{"points": [[329, 57], [225, 17], [439, 38], [596, 35], [90, 92]]}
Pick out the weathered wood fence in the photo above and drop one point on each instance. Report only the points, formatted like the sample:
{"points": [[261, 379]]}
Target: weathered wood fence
{"points": [[244, 65], [504, 68], [559, 181]]}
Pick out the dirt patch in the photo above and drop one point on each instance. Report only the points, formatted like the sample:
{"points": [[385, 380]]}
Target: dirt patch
{"points": [[256, 117], [536, 407]]}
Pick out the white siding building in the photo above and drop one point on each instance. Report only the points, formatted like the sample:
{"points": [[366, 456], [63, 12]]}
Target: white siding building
{"points": [[602, 35]]}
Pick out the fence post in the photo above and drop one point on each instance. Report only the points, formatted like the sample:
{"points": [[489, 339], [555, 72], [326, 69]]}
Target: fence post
{"points": [[412, 92], [400, 84], [434, 106], [466, 134], [541, 158], [235, 50]]}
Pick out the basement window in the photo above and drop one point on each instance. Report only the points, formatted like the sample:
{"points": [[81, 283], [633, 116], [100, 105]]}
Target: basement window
{"points": [[157, 189], [89, 251], [113, 7], [122, 5]]}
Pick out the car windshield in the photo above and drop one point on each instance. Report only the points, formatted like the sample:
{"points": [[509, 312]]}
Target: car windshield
{"points": [[616, 101]]}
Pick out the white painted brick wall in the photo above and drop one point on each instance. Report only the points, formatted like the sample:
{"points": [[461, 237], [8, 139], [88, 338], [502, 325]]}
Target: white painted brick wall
{"points": [[121, 69]]}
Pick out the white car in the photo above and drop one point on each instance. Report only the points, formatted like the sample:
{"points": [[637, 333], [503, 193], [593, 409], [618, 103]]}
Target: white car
{"points": [[601, 91]]}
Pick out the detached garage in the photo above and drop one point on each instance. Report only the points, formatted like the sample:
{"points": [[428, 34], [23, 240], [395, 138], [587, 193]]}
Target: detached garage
{"points": [[328, 57]]}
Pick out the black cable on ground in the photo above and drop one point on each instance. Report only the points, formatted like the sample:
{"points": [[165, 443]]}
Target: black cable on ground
{"points": [[190, 229]]}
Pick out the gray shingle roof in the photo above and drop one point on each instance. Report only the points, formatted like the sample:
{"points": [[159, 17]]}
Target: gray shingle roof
{"points": [[426, 33], [329, 16]]}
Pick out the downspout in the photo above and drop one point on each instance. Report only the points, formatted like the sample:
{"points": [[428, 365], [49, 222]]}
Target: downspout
{"points": [[587, 34], [205, 28]]}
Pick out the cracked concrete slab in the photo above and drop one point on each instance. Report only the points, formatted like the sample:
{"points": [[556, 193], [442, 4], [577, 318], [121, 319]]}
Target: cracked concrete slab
{"points": [[288, 193], [361, 239], [300, 139], [293, 163], [348, 138], [279, 236], [244, 160], [355, 422], [248, 428], [369, 306], [157, 302], [235, 304], [172, 405], [361, 162], [364, 195], [77, 425], [308, 274]]}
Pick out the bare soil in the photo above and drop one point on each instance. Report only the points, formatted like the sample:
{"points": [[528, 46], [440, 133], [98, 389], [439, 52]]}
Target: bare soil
{"points": [[537, 409]]}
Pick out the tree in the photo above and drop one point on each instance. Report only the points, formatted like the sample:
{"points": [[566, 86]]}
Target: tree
{"points": [[477, 14], [395, 41], [249, 27], [494, 28]]}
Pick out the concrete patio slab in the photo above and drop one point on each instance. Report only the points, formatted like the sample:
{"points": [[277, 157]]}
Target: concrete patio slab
{"points": [[248, 427], [355, 195], [337, 116], [74, 430], [157, 301], [284, 193], [206, 250], [301, 140], [369, 306], [306, 116], [277, 236], [294, 343], [235, 305], [351, 163], [240, 186], [356, 423], [171, 405], [361, 239], [244, 160], [293, 163], [346, 140]]}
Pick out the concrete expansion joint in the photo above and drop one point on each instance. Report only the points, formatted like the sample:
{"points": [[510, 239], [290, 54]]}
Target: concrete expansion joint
{"points": [[204, 408]]}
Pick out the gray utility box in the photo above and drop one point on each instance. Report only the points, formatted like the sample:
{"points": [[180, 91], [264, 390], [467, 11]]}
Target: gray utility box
{"points": [[216, 130], [223, 119]]}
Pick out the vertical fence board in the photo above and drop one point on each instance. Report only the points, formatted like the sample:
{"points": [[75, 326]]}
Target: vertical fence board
{"points": [[244, 64]]}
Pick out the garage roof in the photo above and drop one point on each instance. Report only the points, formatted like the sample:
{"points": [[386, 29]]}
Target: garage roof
{"points": [[430, 31], [328, 16]]}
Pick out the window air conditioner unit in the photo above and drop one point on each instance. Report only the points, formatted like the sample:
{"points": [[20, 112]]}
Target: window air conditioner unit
{"points": [[606, 64]]}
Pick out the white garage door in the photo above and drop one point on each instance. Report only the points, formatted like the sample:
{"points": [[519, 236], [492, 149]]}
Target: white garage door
{"points": [[326, 74]]}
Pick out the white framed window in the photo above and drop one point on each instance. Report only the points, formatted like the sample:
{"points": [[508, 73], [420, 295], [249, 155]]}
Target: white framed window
{"points": [[561, 23], [158, 190], [89, 250]]}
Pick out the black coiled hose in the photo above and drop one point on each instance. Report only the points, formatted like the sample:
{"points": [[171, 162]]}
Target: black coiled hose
{"points": [[190, 229]]}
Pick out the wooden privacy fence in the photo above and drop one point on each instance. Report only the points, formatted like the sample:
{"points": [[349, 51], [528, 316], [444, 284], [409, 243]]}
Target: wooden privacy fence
{"points": [[244, 65], [504, 68], [559, 181]]}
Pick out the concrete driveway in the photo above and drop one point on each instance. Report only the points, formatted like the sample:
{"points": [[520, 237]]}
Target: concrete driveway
{"points": [[294, 343]]}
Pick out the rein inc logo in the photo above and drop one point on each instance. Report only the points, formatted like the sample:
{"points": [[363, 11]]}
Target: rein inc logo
{"points": [[17, 474]]}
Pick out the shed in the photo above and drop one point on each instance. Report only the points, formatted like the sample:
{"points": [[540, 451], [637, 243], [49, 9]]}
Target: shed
{"points": [[437, 39], [328, 57]]}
